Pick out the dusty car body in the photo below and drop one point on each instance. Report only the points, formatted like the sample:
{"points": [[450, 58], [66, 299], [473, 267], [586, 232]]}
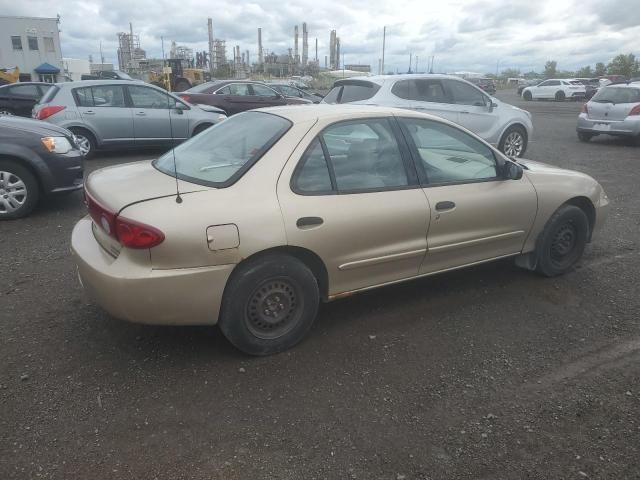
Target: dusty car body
{"points": [[329, 200]]}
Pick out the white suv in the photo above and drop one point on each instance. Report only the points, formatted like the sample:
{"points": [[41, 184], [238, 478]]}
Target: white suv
{"points": [[503, 125], [556, 89]]}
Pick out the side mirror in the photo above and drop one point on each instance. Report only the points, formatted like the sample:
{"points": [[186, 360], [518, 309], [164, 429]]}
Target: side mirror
{"points": [[512, 171], [491, 105], [180, 108]]}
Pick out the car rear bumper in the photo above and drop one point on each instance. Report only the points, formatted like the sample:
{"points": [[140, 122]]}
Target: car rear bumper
{"points": [[628, 127], [128, 288]]}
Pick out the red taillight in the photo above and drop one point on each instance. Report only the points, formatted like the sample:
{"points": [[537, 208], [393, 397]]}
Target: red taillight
{"points": [[130, 233], [186, 98], [635, 110], [584, 109], [46, 112], [137, 235]]}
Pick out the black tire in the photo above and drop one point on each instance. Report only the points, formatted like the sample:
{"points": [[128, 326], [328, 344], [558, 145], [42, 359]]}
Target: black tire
{"points": [[200, 128], [528, 96], [181, 85], [585, 137], [6, 112], [560, 96], [90, 143], [562, 241], [269, 304], [515, 140], [12, 204]]}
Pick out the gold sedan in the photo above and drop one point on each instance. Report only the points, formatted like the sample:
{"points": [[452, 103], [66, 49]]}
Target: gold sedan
{"points": [[255, 221]]}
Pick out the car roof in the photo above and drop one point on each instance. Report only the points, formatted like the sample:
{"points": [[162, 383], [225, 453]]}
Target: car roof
{"points": [[328, 112], [92, 83], [16, 84], [623, 85], [380, 79]]}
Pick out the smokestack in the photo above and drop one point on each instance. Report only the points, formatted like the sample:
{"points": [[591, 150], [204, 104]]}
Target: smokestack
{"points": [[317, 51], [338, 53], [248, 62], [305, 44], [332, 50], [295, 45], [260, 52], [210, 28]]}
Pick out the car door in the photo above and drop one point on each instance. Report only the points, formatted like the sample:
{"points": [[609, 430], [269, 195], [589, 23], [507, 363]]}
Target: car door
{"points": [[476, 214], [237, 98], [104, 109], [156, 120], [424, 95], [267, 97], [357, 205], [475, 109], [22, 98]]}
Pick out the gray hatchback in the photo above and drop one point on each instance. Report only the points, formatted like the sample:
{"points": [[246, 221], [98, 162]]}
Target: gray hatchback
{"points": [[107, 114]]}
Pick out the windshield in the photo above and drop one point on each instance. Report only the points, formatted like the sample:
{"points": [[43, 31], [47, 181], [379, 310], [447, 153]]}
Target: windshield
{"points": [[222, 153], [617, 95]]}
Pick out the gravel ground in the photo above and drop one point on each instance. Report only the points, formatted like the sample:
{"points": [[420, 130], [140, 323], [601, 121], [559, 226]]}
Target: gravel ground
{"points": [[491, 372]]}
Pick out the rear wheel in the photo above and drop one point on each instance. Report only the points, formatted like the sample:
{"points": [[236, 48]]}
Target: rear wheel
{"points": [[560, 96], [269, 304], [527, 96], [85, 142], [18, 191], [562, 241], [585, 137], [514, 142]]}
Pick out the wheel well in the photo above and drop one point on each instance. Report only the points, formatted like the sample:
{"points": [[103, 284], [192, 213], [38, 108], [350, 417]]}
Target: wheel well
{"points": [[28, 166], [201, 128], [84, 129], [587, 207], [516, 125], [309, 258]]}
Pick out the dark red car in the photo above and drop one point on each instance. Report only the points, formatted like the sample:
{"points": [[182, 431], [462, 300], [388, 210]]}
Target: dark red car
{"points": [[235, 96]]}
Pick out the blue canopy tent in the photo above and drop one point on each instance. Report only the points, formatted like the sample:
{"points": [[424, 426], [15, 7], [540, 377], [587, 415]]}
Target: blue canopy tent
{"points": [[47, 72]]}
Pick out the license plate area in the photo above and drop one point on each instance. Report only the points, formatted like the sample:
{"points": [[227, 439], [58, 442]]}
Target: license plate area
{"points": [[603, 127]]}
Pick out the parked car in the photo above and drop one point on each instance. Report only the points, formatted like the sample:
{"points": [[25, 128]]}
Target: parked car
{"points": [[295, 92], [107, 75], [485, 84], [37, 160], [614, 110], [281, 208], [107, 114], [19, 98], [501, 124], [591, 86], [555, 89], [235, 96], [522, 84]]}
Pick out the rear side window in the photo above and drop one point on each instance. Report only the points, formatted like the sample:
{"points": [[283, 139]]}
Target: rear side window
{"points": [[101, 96], [50, 95], [25, 91], [312, 176], [617, 95], [420, 90], [352, 91], [332, 96]]}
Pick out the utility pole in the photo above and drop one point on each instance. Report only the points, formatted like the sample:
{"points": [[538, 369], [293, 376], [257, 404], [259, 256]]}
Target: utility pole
{"points": [[410, 55], [417, 71], [384, 38], [162, 44]]}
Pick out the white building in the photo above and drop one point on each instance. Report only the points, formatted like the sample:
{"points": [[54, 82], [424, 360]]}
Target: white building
{"points": [[74, 68], [33, 45]]}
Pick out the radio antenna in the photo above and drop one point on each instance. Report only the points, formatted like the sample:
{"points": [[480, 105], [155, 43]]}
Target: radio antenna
{"points": [[173, 150]]}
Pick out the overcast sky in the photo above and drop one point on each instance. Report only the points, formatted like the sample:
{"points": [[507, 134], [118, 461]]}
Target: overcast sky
{"points": [[470, 35]]}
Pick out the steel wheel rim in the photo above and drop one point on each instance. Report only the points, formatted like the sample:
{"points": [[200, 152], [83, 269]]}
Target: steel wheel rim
{"points": [[13, 192], [83, 143], [563, 242], [273, 309], [513, 144], [6, 113]]}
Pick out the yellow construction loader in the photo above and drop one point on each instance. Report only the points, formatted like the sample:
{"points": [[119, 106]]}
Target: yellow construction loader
{"points": [[9, 77]]}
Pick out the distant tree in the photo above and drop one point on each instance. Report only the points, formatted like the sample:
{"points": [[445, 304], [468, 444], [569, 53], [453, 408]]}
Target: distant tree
{"points": [[585, 72], [510, 73], [601, 69], [625, 65], [550, 69]]}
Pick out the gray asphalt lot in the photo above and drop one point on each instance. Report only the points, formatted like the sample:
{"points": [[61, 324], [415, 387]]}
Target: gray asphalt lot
{"points": [[491, 372]]}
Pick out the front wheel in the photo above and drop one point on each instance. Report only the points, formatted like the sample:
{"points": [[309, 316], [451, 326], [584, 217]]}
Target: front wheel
{"points": [[18, 191], [560, 96], [514, 142], [269, 304], [562, 241], [528, 96]]}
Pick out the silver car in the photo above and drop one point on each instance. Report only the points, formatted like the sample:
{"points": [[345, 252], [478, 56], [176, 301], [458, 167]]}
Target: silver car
{"points": [[107, 114], [614, 110], [507, 127]]}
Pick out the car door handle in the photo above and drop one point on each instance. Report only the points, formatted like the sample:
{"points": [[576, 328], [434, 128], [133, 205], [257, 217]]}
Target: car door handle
{"points": [[464, 111], [140, 114], [305, 222], [90, 112], [447, 205]]}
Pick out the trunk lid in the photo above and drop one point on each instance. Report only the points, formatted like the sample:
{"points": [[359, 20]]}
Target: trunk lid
{"points": [[609, 111]]}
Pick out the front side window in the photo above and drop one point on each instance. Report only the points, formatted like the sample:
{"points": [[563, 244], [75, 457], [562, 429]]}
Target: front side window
{"points": [[16, 42], [420, 90], [143, 97], [312, 174], [262, 91], [222, 153], [545, 84], [449, 155], [365, 155], [33, 43], [464, 94]]}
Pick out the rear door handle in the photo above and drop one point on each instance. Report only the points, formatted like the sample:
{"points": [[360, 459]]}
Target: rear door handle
{"points": [[90, 112], [446, 205], [141, 114], [464, 111], [305, 222]]}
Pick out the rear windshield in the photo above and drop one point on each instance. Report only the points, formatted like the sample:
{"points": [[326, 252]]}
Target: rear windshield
{"points": [[617, 95], [51, 93], [223, 153], [351, 92], [200, 88]]}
